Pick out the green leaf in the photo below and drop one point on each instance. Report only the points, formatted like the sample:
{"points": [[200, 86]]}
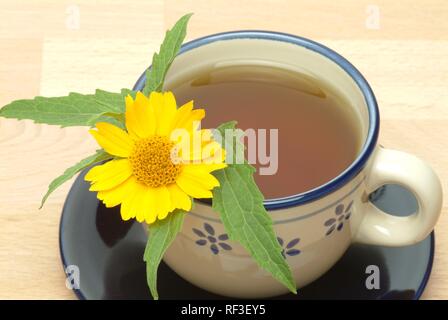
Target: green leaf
{"points": [[114, 119], [161, 235], [72, 110], [240, 204], [100, 155], [155, 75], [231, 139], [230, 125]]}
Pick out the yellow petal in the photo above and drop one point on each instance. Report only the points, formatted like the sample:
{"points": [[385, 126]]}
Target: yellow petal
{"points": [[149, 206], [193, 188], [182, 114], [197, 174], [145, 210], [113, 197], [207, 167], [165, 108], [140, 118], [179, 199], [194, 120], [102, 170], [112, 139], [130, 205], [210, 152], [109, 175], [195, 146], [162, 202]]}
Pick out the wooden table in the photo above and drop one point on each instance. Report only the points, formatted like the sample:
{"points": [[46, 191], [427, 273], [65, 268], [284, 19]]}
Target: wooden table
{"points": [[51, 47]]}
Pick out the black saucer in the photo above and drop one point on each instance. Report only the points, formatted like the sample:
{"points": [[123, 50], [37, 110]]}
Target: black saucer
{"points": [[109, 255]]}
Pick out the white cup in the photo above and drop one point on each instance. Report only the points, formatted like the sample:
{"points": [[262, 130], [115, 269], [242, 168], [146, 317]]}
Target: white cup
{"points": [[315, 228]]}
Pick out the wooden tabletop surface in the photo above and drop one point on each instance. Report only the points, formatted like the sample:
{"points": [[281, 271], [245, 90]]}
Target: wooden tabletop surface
{"points": [[51, 47]]}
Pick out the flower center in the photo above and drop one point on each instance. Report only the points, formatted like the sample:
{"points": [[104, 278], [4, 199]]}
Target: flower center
{"points": [[152, 162]]}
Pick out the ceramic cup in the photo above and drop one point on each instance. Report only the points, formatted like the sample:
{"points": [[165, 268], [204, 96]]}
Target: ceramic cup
{"points": [[316, 227]]}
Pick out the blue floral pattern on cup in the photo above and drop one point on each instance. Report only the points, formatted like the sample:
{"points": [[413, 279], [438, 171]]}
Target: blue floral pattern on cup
{"points": [[208, 237], [289, 249], [341, 214]]}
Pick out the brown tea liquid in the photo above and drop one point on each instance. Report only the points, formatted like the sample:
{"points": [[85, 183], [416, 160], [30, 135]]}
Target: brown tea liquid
{"points": [[318, 133]]}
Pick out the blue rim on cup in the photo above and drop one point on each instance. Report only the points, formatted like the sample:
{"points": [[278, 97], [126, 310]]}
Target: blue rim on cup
{"points": [[372, 135]]}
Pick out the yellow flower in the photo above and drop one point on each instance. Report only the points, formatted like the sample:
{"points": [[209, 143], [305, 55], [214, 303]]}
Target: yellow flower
{"points": [[161, 161]]}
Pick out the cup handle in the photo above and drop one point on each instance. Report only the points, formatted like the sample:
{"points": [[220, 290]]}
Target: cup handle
{"points": [[395, 167]]}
